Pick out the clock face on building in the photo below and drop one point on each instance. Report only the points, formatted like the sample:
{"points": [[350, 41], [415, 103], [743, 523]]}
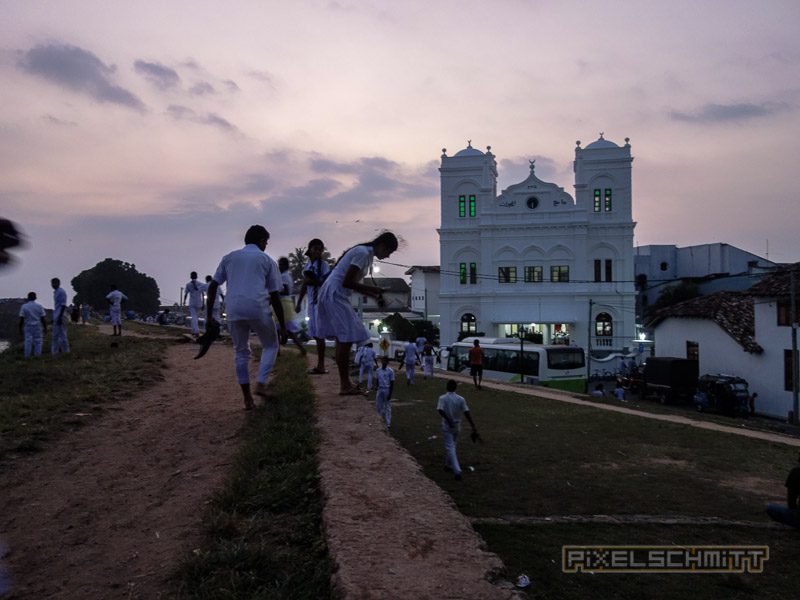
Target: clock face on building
{"points": [[533, 202]]}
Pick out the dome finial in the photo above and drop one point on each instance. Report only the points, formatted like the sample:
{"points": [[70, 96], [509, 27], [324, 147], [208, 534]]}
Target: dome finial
{"points": [[469, 143], [601, 135], [533, 164]]}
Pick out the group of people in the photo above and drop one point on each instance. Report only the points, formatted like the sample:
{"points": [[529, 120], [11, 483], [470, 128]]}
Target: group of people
{"points": [[255, 285], [33, 323]]}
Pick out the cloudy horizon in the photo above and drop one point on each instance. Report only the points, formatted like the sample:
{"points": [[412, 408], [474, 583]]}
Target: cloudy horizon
{"points": [[156, 134]]}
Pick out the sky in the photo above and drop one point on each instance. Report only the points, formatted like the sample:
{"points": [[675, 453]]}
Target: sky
{"points": [[157, 132]]}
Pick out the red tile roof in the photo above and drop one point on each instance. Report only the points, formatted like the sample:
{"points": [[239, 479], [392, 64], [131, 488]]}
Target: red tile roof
{"points": [[732, 311]]}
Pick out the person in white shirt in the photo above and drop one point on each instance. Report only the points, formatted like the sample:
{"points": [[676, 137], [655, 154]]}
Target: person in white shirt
{"points": [[336, 317], [427, 360], [253, 284], [59, 343], [450, 407], [217, 305], [115, 298], [32, 326], [384, 376], [196, 292], [410, 360], [314, 274], [367, 362]]}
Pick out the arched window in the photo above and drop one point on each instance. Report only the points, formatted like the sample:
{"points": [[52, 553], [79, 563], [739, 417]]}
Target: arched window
{"points": [[603, 325], [469, 324]]}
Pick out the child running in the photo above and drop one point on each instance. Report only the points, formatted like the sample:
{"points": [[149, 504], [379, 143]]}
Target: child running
{"points": [[385, 378], [451, 406], [336, 317]]}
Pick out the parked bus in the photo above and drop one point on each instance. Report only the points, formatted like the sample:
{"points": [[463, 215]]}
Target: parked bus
{"points": [[562, 367]]}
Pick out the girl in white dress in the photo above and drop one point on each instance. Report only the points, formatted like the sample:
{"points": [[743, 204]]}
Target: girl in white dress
{"points": [[335, 316]]}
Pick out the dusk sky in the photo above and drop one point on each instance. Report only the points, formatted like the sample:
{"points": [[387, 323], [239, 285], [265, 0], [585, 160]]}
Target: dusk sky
{"points": [[157, 132]]}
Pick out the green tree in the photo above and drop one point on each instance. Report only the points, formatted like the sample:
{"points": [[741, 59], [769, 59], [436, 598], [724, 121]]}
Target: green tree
{"points": [[92, 286], [686, 290]]}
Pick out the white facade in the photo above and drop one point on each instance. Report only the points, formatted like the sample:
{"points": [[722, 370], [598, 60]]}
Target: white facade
{"points": [[425, 292], [535, 256], [718, 352]]}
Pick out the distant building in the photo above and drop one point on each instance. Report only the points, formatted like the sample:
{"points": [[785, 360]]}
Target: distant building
{"points": [[747, 334], [425, 292], [536, 257], [714, 267]]}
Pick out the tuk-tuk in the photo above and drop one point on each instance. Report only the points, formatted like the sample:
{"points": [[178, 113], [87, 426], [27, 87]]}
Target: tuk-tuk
{"points": [[724, 394]]}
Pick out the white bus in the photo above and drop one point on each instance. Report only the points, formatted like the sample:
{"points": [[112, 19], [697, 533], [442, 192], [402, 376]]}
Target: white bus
{"points": [[562, 367]]}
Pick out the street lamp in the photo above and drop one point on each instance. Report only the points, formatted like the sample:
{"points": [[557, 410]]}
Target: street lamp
{"points": [[521, 331]]}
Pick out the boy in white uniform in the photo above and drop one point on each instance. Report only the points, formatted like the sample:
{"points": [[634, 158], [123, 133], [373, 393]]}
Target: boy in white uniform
{"points": [[195, 291], [385, 381], [253, 284], [32, 325], [115, 298], [367, 362], [427, 360], [411, 359], [451, 406], [59, 341]]}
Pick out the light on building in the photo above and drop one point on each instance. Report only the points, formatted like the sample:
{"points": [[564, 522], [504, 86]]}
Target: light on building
{"points": [[642, 336], [385, 330]]}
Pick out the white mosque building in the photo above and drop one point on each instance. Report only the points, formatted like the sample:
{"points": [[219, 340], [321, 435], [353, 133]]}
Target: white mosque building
{"points": [[534, 256]]}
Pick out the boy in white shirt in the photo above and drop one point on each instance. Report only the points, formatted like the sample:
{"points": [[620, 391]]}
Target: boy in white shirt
{"points": [[115, 298], [196, 292], [32, 325], [411, 359], [451, 406], [384, 376], [367, 362]]}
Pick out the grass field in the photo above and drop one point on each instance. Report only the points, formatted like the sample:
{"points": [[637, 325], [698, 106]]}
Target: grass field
{"points": [[547, 458], [43, 396]]}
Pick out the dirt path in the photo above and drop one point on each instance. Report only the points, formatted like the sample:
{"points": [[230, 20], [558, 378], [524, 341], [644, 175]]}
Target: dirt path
{"points": [[108, 511], [392, 532]]}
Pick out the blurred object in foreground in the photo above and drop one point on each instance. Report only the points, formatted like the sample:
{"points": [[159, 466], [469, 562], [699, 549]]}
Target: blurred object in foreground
{"points": [[10, 237]]}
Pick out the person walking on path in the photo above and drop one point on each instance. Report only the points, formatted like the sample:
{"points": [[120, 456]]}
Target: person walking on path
{"points": [[336, 317], [293, 328], [476, 363], [32, 326], [451, 406], [59, 343], [789, 514], [195, 291], [85, 313], [254, 284], [367, 362], [115, 298], [410, 359], [217, 305], [384, 376], [427, 360], [315, 272]]}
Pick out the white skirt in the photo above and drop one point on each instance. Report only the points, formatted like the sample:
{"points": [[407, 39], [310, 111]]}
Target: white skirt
{"points": [[335, 318]]}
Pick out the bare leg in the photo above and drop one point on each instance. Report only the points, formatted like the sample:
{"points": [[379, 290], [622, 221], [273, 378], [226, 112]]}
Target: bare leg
{"points": [[343, 365], [320, 354]]}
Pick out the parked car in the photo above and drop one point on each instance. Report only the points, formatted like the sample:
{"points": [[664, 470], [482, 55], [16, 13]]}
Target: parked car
{"points": [[724, 394], [671, 379]]}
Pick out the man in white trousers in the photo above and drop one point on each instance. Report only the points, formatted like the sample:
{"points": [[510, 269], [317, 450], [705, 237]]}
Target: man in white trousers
{"points": [[253, 284]]}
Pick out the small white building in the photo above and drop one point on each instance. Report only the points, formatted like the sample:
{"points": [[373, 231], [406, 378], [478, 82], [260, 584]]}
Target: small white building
{"points": [[533, 256], [425, 292], [747, 334]]}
